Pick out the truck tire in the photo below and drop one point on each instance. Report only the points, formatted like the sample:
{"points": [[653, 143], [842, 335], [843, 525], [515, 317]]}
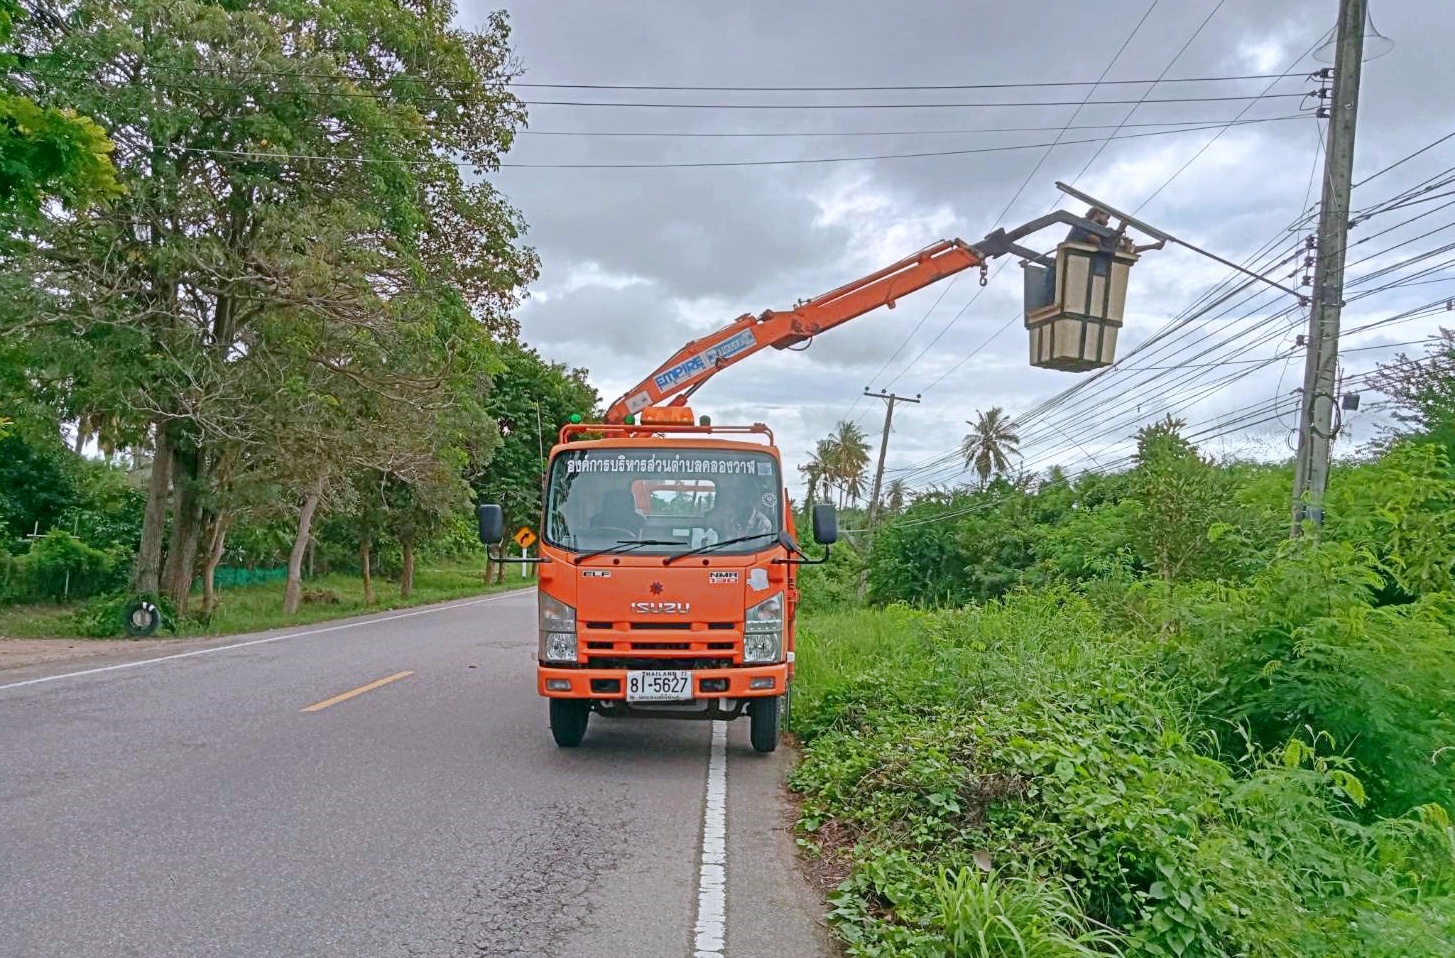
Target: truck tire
{"points": [[141, 619], [568, 721], [764, 716]]}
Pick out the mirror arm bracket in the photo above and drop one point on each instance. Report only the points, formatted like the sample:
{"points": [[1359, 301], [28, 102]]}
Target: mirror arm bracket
{"points": [[494, 554], [805, 560]]}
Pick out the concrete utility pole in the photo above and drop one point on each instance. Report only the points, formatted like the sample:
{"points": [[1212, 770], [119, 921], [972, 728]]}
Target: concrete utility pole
{"points": [[890, 399], [1316, 422]]}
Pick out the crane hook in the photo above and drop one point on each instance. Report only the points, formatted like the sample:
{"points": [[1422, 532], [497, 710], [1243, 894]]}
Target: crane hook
{"points": [[984, 275]]}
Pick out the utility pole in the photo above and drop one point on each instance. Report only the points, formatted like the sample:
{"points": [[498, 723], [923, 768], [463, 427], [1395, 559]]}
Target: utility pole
{"points": [[890, 399], [1311, 468]]}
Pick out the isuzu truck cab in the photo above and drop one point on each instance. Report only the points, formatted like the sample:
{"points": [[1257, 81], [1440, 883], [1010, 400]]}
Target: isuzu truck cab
{"points": [[667, 574]]}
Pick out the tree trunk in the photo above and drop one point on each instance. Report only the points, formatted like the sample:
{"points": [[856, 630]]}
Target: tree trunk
{"points": [[364, 564], [146, 576], [406, 577], [188, 475], [216, 545], [293, 594]]}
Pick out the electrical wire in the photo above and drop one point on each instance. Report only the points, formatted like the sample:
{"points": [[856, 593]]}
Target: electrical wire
{"points": [[795, 161], [231, 70], [900, 88], [414, 97], [1010, 321], [1010, 204], [790, 134], [940, 462]]}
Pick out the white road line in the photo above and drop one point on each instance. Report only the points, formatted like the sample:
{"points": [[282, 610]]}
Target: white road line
{"points": [[712, 882], [243, 645]]}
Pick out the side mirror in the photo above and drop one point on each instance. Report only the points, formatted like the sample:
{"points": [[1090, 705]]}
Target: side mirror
{"points": [[492, 524], [825, 524]]}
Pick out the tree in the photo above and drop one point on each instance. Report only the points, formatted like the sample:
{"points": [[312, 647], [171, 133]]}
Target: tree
{"points": [[895, 495], [1178, 497], [288, 211], [1423, 391], [529, 399], [990, 444], [816, 471], [46, 152], [847, 461]]}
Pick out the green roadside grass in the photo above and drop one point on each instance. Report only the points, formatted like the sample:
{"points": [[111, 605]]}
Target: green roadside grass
{"points": [[1030, 778], [256, 608]]}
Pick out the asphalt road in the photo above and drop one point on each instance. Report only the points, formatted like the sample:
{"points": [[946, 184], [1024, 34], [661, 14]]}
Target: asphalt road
{"points": [[194, 806]]}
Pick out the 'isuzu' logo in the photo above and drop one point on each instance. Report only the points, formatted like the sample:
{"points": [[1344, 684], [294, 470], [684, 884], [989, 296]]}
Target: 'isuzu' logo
{"points": [[662, 608]]}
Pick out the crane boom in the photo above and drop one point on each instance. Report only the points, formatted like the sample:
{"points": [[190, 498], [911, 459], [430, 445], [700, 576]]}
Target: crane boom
{"points": [[700, 360]]}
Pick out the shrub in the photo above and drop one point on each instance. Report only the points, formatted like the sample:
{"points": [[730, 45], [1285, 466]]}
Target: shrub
{"points": [[58, 565], [1023, 737], [1304, 646]]}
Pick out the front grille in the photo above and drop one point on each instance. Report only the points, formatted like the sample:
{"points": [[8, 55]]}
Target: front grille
{"points": [[650, 626], [625, 662]]}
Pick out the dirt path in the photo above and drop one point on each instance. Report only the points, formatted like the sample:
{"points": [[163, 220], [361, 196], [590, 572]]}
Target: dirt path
{"points": [[15, 653]]}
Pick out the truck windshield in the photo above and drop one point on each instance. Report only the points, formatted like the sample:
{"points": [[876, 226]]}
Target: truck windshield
{"points": [[670, 500]]}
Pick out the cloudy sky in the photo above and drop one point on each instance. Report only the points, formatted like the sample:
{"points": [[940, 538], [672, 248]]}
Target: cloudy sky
{"points": [[636, 261]]}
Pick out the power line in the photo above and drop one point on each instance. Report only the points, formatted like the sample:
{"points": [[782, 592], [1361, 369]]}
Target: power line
{"points": [[899, 88], [417, 97], [1127, 421], [1009, 322], [1136, 28], [1206, 146], [1080, 386], [929, 466], [1404, 160], [231, 70], [796, 134], [703, 164], [1170, 64]]}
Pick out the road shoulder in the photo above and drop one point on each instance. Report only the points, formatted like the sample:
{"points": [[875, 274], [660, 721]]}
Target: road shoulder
{"points": [[26, 659]]}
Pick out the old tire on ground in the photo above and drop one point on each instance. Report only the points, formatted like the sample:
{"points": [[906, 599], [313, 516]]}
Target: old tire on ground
{"points": [[765, 717], [568, 721], [141, 618]]}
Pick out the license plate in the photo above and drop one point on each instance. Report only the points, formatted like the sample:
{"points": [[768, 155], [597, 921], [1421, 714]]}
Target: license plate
{"points": [[658, 686]]}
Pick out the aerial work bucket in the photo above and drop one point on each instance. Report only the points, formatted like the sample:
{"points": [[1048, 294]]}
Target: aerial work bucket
{"points": [[1074, 309]]}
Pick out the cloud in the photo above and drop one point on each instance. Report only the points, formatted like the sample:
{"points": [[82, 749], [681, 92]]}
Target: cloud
{"points": [[637, 262]]}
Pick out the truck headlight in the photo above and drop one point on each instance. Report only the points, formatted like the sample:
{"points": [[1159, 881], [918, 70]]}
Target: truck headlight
{"points": [[557, 630], [763, 631]]}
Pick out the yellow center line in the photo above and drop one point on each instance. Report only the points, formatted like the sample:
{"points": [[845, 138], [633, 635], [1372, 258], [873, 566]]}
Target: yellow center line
{"points": [[345, 696]]}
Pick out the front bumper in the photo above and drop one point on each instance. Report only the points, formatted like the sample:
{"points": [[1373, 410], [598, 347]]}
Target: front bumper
{"points": [[734, 683]]}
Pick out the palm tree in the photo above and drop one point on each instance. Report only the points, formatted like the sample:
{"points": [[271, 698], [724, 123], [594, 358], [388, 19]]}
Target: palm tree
{"points": [[817, 470], [990, 444], [849, 459], [894, 495]]}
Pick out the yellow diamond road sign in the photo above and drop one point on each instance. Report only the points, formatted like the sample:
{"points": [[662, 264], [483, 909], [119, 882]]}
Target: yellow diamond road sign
{"points": [[524, 537]]}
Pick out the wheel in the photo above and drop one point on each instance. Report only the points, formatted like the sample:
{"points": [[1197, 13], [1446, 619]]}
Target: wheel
{"points": [[765, 716], [568, 721]]}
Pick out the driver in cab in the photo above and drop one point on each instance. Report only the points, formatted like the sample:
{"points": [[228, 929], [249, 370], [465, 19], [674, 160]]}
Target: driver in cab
{"points": [[737, 511]]}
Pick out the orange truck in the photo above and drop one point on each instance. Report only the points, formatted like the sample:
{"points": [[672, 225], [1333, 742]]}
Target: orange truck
{"points": [[668, 554]]}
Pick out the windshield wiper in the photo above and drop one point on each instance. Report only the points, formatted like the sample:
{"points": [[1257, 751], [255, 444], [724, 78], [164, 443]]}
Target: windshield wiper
{"points": [[631, 544], [718, 545]]}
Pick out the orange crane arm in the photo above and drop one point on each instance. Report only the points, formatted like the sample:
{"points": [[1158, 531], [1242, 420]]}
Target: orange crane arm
{"points": [[700, 360]]}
